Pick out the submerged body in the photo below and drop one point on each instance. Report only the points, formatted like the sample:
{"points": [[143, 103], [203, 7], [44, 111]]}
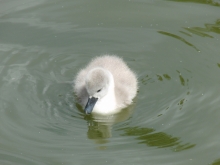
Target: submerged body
{"points": [[105, 85]]}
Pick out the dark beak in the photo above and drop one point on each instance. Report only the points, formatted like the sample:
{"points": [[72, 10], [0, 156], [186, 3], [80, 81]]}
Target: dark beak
{"points": [[90, 105]]}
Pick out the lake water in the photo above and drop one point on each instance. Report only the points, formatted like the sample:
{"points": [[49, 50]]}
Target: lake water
{"points": [[172, 45]]}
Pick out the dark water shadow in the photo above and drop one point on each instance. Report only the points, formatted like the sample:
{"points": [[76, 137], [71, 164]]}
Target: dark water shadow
{"points": [[216, 162], [208, 2], [151, 138]]}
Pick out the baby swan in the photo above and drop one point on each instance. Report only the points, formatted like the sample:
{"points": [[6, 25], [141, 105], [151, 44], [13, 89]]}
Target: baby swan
{"points": [[105, 85]]}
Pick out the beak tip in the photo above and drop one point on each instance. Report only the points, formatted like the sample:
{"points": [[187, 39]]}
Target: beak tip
{"points": [[87, 113], [90, 104]]}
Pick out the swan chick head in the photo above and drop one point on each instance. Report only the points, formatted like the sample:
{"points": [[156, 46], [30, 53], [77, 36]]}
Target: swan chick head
{"points": [[97, 84]]}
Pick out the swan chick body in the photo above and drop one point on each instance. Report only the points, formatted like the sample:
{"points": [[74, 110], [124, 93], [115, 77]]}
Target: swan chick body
{"points": [[105, 85]]}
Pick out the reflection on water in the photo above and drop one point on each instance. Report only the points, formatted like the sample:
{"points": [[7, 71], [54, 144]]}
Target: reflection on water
{"points": [[159, 78], [179, 38], [100, 127], [202, 31], [182, 80], [166, 76], [198, 31], [211, 2], [147, 79], [216, 162], [151, 138], [180, 77]]}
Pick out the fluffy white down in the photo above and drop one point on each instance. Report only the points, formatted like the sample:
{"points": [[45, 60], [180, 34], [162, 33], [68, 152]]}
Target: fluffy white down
{"points": [[121, 89]]}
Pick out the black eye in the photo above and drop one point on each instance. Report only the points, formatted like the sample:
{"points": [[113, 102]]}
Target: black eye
{"points": [[99, 90]]}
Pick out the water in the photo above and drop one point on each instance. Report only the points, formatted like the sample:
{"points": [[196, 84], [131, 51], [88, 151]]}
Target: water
{"points": [[173, 46]]}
